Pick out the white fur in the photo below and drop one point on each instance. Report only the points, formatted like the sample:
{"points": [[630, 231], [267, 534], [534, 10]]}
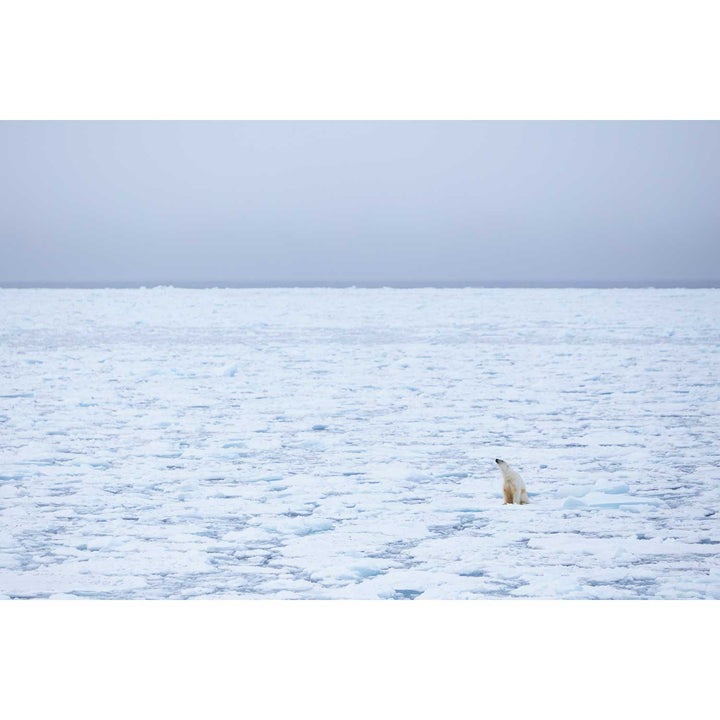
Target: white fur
{"points": [[513, 485]]}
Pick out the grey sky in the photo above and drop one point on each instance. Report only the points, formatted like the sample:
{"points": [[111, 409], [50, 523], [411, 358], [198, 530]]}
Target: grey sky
{"points": [[360, 201]]}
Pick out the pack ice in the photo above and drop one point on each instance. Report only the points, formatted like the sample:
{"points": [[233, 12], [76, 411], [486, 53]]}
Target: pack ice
{"points": [[339, 443]]}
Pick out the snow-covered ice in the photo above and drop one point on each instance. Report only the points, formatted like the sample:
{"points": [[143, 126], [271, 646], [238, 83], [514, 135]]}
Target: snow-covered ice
{"points": [[339, 443]]}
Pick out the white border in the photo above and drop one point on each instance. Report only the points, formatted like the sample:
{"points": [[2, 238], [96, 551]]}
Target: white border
{"points": [[331, 659], [376, 59]]}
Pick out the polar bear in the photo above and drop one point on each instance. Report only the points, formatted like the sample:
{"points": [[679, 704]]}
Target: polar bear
{"points": [[513, 485]]}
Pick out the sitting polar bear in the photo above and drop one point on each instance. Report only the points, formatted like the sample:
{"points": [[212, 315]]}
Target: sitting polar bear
{"points": [[513, 485]]}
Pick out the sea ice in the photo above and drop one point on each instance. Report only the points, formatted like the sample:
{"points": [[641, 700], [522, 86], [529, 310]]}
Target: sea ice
{"points": [[321, 443]]}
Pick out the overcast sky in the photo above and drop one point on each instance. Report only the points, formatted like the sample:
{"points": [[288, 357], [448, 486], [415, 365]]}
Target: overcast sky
{"points": [[254, 202]]}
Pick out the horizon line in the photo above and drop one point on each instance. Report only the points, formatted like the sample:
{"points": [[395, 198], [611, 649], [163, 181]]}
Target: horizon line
{"points": [[363, 284]]}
